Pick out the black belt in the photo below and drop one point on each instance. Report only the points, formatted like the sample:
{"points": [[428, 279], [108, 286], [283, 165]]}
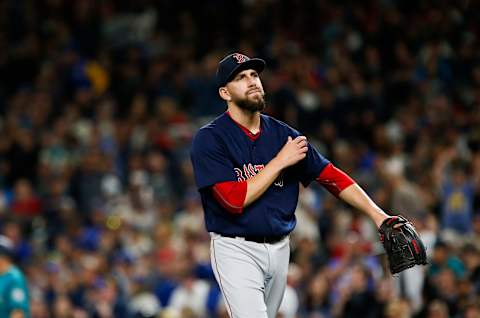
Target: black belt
{"points": [[259, 239]]}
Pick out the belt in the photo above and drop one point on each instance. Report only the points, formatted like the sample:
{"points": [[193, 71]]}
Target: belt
{"points": [[271, 239]]}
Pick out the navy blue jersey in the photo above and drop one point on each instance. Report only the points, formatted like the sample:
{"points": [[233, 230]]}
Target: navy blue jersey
{"points": [[221, 151]]}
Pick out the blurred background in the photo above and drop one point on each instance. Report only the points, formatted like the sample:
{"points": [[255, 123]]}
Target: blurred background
{"points": [[99, 101]]}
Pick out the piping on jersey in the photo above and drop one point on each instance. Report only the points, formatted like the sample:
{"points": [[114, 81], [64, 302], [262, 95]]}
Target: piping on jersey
{"points": [[226, 201]]}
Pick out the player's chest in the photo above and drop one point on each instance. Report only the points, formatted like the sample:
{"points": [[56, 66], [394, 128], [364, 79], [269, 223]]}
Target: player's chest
{"points": [[250, 157], [258, 152]]}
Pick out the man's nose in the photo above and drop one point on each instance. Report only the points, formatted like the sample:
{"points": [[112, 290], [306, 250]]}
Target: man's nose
{"points": [[251, 81]]}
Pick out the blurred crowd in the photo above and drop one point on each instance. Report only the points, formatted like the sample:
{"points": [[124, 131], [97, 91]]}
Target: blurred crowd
{"points": [[99, 101]]}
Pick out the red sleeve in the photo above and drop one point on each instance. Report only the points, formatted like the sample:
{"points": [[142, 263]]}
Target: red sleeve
{"points": [[334, 179], [231, 195]]}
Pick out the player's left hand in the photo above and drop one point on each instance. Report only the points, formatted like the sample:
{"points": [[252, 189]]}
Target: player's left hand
{"points": [[402, 244]]}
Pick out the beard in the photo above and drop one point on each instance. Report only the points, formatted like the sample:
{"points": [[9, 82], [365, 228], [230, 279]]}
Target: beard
{"points": [[253, 105]]}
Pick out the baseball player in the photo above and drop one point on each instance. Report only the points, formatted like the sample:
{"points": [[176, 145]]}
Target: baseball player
{"points": [[14, 297], [248, 167]]}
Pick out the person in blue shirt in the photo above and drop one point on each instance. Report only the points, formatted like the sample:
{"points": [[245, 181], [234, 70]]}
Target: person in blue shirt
{"points": [[14, 295], [457, 192]]}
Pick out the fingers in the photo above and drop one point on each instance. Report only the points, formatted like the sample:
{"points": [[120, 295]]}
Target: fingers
{"points": [[294, 150], [300, 142], [299, 139]]}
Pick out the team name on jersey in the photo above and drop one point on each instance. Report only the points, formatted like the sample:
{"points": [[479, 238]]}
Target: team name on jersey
{"points": [[249, 171]]}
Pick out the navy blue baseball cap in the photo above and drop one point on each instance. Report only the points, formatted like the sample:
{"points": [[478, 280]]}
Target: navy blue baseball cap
{"points": [[234, 63]]}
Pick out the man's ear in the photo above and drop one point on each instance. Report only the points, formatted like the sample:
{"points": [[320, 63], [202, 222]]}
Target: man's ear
{"points": [[224, 94]]}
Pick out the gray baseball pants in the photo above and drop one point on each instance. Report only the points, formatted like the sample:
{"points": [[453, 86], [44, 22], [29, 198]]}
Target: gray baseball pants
{"points": [[252, 276]]}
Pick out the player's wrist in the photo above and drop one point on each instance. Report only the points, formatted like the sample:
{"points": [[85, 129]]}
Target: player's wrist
{"points": [[380, 219], [278, 164], [379, 216], [275, 163]]}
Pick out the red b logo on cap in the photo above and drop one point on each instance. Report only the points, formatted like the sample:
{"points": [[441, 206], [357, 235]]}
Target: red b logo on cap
{"points": [[240, 57]]}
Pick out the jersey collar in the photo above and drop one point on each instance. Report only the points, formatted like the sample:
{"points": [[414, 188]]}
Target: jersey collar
{"points": [[247, 132]]}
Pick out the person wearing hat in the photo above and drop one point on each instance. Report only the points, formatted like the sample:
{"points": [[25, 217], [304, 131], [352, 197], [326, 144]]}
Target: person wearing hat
{"points": [[247, 168], [14, 295]]}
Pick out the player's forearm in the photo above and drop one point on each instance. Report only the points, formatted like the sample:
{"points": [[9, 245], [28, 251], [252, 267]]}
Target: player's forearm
{"points": [[356, 197], [257, 185], [292, 152]]}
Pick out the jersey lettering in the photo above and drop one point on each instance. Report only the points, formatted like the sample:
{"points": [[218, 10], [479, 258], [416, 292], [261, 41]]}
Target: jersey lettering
{"points": [[239, 174], [279, 181], [259, 168], [250, 171]]}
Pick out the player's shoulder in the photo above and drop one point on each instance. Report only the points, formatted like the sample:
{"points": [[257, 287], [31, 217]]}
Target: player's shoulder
{"points": [[16, 272], [14, 275], [274, 123], [210, 130]]}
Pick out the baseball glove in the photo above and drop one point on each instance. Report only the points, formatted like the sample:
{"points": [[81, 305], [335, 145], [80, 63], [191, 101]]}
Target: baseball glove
{"points": [[402, 244]]}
